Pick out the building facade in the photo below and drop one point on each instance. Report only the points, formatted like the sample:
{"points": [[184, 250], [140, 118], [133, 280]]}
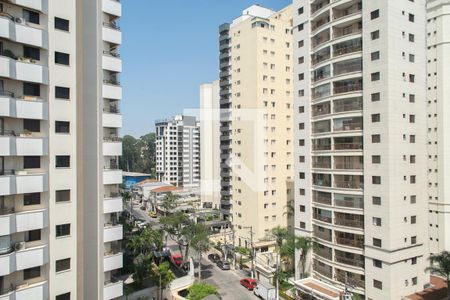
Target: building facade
{"points": [[178, 151], [256, 121], [58, 174], [360, 147], [438, 118], [210, 145]]}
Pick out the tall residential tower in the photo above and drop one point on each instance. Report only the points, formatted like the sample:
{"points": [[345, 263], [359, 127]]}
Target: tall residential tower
{"points": [[256, 121], [360, 147]]}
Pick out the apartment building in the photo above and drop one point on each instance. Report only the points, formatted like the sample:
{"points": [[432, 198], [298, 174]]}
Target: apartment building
{"points": [[178, 151], [438, 118], [58, 174], [256, 121], [210, 145], [360, 146]]}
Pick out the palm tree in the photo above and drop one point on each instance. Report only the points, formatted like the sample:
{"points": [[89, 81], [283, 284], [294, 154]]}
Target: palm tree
{"points": [[290, 209], [127, 196], [169, 202], [304, 244], [440, 265], [279, 234]]}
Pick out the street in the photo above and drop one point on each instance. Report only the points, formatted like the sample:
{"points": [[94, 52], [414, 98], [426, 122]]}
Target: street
{"points": [[227, 282]]}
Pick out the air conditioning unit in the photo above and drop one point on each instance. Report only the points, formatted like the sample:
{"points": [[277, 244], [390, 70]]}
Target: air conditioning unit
{"points": [[19, 246], [20, 20]]}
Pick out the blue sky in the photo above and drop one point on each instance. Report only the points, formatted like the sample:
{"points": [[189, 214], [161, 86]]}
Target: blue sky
{"points": [[169, 49]]}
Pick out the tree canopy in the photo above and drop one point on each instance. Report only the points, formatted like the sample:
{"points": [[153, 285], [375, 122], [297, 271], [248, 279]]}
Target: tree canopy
{"points": [[138, 155], [201, 290]]}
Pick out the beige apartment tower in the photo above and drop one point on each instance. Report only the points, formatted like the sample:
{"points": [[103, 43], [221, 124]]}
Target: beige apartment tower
{"points": [[256, 144], [360, 146], [59, 148]]}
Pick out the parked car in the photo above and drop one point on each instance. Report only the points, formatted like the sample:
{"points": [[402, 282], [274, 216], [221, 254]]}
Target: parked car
{"points": [[223, 264], [214, 258], [248, 283], [152, 214]]}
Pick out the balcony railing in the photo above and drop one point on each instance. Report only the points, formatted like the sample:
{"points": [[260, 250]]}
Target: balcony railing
{"points": [[320, 76], [321, 147], [347, 49], [346, 12], [350, 261], [349, 184], [324, 252], [316, 59], [7, 210], [349, 223], [111, 109], [112, 25], [322, 218], [348, 165], [350, 242], [346, 31], [322, 199], [6, 93], [322, 164], [324, 235], [111, 53], [320, 110], [349, 126], [112, 139], [318, 6], [348, 88], [348, 146], [317, 41], [342, 68], [323, 270], [349, 105], [111, 81], [355, 203]]}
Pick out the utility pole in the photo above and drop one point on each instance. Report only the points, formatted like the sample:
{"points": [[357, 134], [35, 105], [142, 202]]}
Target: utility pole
{"points": [[253, 252], [277, 289], [234, 247]]}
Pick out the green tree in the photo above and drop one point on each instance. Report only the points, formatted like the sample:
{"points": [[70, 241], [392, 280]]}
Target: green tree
{"points": [[201, 244], [173, 224], [162, 275], [138, 155], [279, 234], [440, 265], [169, 202], [190, 232], [201, 290], [142, 265]]}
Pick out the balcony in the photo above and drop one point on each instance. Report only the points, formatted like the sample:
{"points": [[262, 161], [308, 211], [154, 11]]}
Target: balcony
{"points": [[112, 261], [112, 290], [320, 109], [111, 91], [30, 108], [112, 204], [350, 278], [111, 33], [22, 182], [339, 32], [320, 38], [350, 201], [348, 124], [322, 233], [321, 180], [34, 291], [23, 258], [112, 7], [323, 269], [322, 215], [112, 148], [347, 47], [349, 182], [348, 105], [348, 143], [112, 233], [322, 197], [23, 70], [349, 220], [318, 5], [321, 127], [319, 23], [321, 162], [321, 91], [111, 62], [23, 221], [111, 120], [351, 259], [112, 176], [324, 252], [22, 146], [350, 86], [348, 163], [321, 73], [349, 239], [347, 67], [22, 33], [320, 56], [321, 144]]}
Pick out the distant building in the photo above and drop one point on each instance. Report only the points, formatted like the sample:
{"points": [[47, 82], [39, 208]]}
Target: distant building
{"points": [[178, 151], [210, 144], [132, 178]]}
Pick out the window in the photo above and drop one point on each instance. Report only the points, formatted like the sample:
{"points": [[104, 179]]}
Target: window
{"points": [[375, 55], [31, 199], [302, 225], [375, 76], [301, 44], [300, 10], [33, 235], [31, 16], [413, 219], [376, 138], [61, 24], [411, 18], [31, 52], [31, 162], [412, 179], [374, 14], [65, 296], [62, 127], [376, 200], [411, 38], [376, 221], [31, 89], [62, 230], [62, 58], [412, 159], [375, 97], [31, 273], [376, 242], [412, 138], [301, 59], [301, 76], [412, 98], [300, 27], [375, 35], [412, 78], [62, 265], [377, 263], [411, 58], [31, 125], [412, 199], [413, 240], [62, 92], [375, 118], [301, 109], [414, 260], [376, 179], [302, 208], [377, 284], [414, 280], [63, 161], [412, 119], [376, 159]]}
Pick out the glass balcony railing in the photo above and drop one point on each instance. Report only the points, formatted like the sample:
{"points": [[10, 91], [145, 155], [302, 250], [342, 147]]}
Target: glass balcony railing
{"points": [[323, 269], [321, 197], [351, 104], [349, 220]]}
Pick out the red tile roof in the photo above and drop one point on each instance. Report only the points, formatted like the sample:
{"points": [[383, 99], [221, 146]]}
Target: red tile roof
{"points": [[165, 189], [437, 292]]}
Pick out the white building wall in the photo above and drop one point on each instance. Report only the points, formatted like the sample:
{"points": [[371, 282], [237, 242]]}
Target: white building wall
{"points": [[210, 144]]}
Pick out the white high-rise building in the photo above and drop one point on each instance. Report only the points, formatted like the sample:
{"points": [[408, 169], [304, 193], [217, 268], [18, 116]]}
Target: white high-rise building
{"points": [[360, 147], [438, 120], [59, 149], [210, 144], [178, 151]]}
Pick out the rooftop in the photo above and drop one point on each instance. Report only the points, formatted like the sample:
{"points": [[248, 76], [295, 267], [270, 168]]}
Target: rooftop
{"points": [[438, 291]]}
